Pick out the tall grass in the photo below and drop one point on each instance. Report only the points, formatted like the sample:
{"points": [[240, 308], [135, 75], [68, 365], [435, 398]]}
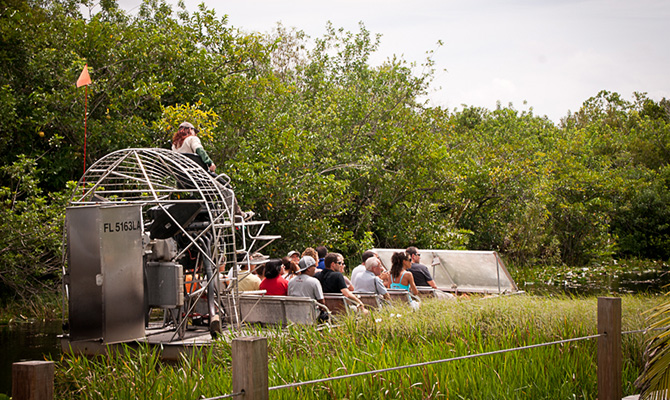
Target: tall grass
{"points": [[393, 337], [47, 306]]}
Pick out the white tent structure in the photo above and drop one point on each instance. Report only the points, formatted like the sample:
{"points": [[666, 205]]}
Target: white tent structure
{"points": [[462, 271]]}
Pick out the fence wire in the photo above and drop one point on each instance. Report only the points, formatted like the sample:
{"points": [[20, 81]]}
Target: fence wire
{"points": [[378, 371], [225, 396], [469, 356]]}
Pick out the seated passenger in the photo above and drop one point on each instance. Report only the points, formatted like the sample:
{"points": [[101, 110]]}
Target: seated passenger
{"points": [[312, 253], [294, 256], [401, 278], [256, 261], [422, 276], [246, 280], [368, 281], [289, 268], [361, 267], [274, 284], [322, 250], [304, 284], [333, 281], [339, 267]]}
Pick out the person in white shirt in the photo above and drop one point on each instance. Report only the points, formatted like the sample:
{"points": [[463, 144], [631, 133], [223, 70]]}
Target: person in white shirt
{"points": [[361, 268], [186, 141], [368, 281]]}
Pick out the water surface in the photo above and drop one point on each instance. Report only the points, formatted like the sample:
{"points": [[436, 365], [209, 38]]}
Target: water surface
{"points": [[26, 341]]}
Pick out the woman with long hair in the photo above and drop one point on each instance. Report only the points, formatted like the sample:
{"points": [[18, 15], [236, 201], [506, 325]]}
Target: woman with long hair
{"points": [[289, 268], [400, 277], [186, 141]]}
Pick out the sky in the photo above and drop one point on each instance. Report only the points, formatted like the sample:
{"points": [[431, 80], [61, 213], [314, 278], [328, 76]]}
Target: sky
{"points": [[548, 55]]}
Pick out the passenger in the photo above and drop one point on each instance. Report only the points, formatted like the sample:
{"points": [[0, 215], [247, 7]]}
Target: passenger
{"points": [[255, 259], [259, 271], [339, 267], [274, 284], [361, 268], [332, 281], [288, 269], [368, 281], [305, 285], [246, 280], [312, 253], [419, 271], [400, 277], [294, 256], [322, 250], [422, 275], [186, 141]]}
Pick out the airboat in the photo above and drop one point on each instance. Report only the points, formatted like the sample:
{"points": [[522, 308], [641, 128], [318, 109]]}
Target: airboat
{"points": [[149, 236], [150, 229]]}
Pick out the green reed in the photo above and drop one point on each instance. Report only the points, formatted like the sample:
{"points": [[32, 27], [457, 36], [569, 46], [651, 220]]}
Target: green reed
{"points": [[392, 337]]}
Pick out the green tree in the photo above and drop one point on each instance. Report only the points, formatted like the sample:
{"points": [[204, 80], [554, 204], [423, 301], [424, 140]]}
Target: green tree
{"points": [[30, 255]]}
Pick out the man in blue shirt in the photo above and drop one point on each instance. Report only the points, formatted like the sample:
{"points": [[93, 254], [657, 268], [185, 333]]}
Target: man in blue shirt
{"points": [[322, 251]]}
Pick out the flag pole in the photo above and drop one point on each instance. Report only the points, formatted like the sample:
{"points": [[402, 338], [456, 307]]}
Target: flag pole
{"points": [[85, 123], [84, 80]]}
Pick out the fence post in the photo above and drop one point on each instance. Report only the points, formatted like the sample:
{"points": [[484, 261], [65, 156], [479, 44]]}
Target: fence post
{"points": [[609, 348], [33, 380], [250, 367]]}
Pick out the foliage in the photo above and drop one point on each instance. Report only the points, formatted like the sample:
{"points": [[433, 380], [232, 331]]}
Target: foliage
{"points": [[31, 225], [393, 337], [328, 147], [654, 381], [173, 116]]}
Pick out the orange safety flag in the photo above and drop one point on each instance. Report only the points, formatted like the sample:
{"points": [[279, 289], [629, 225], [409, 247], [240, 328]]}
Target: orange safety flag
{"points": [[84, 78]]}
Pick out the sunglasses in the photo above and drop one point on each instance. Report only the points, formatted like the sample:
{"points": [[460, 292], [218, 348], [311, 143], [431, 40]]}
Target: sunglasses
{"points": [[340, 262]]}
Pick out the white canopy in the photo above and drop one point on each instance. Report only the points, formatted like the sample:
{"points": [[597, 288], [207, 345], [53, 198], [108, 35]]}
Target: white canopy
{"points": [[462, 270]]}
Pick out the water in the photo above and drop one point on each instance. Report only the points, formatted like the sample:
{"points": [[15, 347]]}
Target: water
{"points": [[29, 341], [587, 282]]}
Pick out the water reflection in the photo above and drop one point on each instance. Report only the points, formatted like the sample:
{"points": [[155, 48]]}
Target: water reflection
{"points": [[26, 342], [587, 282]]}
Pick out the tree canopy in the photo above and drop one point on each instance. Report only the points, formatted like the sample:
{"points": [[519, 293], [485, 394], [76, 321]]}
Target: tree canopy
{"points": [[328, 147]]}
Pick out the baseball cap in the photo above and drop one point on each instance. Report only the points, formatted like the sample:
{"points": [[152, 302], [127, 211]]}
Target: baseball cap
{"points": [[306, 262], [292, 252], [186, 125]]}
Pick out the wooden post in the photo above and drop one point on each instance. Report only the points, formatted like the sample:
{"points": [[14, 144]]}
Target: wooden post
{"points": [[250, 367], [33, 380], [609, 348]]}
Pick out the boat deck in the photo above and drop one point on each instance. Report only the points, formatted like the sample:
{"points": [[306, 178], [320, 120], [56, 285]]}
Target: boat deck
{"points": [[164, 339]]}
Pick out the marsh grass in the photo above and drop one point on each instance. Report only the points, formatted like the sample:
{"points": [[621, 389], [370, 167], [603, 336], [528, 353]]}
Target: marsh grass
{"points": [[46, 307], [393, 337]]}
